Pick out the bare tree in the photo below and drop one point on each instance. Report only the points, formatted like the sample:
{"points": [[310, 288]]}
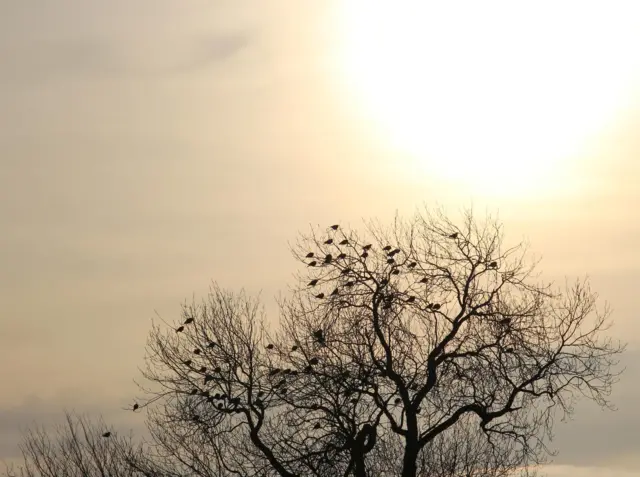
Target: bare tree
{"points": [[81, 447], [389, 349]]}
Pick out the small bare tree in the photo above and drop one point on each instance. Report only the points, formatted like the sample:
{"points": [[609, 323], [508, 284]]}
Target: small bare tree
{"points": [[81, 447], [391, 347]]}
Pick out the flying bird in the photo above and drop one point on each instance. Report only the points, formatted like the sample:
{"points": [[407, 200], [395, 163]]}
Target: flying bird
{"points": [[334, 227], [313, 263], [328, 241], [309, 255], [179, 329], [313, 282], [106, 434], [344, 242], [320, 295], [188, 321]]}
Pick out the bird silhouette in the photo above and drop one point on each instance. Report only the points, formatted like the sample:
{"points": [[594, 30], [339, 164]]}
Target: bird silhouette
{"points": [[390, 260], [412, 265], [386, 248], [314, 361], [179, 329], [217, 369], [328, 241], [397, 400], [384, 282], [193, 392], [211, 344], [394, 252], [366, 247], [294, 348], [435, 306], [395, 271], [313, 282], [318, 335], [335, 227], [341, 256], [411, 299], [188, 321], [210, 399], [135, 407], [203, 369], [317, 425], [196, 351], [424, 280], [220, 405], [364, 255], [261, 393], [106, 434], [335, 292], [320, 295], [187, 362], [309, 255], [344, 242], [493, 265], [328, 258], [349, 284], [312, 263], [454, 235], [505, 321], [270, 346], [346, 270]]}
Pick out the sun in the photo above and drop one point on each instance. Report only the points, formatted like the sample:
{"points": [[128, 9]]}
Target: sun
{"points": [[505, 94]]}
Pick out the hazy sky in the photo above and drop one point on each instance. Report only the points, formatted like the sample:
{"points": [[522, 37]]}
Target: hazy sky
{"points": [[148, 147]]}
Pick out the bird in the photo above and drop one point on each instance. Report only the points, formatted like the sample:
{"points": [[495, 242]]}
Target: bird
{"points": [[435, 306], [270, 346], [384, 282], [309, 255], [394, 252], [217, 369], [319, 336], [261, 393], [493, 265], [390, 260], [412, 265], [395, 271], [397, 400], [366, 247], [349, 284], [313, 282], [364, 255], [135, 407], [341, 256], [188, 321], [411, 299], [196, 351], [211, 344], [314, 361], [273, 372], [317, 425], [508, 350], [328, 241], [454, 235], [193, 392], [203, 369], [187, 362], [386, 248], [424, 280], [386, 305], [210, 399], [106, 434], [312, 263], [179, 329], [335, 292], [505, 321], [334, 227], [195, 418], [320, 295], [328, 258], [346, 270], [344, 242]]}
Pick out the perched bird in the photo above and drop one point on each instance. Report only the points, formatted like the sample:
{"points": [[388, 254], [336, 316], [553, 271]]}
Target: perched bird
{"points": [[344, 242], [196, 351], [211, 344], [270, 346], [328, 241], [317, 425], [424, 280], [313, 282], [217, 369], [349, 284], [335, 292], [193, 392], [505, 321], [386, 248], [435, 306], [454, 235], [318, 335], [258, 402], [341, 256], [312, 263], [210, 399], [320, 295], [208, 378], [395, 271], [493, 265], [411, 299], [390, 260], [106, 434], [220, 405], [508, 350], [394, 252], [308, 368], [187, 362], [135, 407], [364, 255], [412, 265], [397, 400], [328, 258], [203, 369], [188, 321], [195, 418], [314, 361], [346, 270], [334, 227], [179, 329], [366, 247], [261, 393], [309, 255]]}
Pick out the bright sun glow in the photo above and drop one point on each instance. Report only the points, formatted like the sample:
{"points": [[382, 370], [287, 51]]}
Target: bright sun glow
{"points": [[479, 93]]}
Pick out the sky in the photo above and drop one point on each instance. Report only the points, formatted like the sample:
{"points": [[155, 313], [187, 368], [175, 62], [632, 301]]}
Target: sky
{"points": [[148, 148]]}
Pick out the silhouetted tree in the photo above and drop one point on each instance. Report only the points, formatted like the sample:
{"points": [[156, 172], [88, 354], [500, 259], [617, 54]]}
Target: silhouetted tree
{"points": [[436, 353]]}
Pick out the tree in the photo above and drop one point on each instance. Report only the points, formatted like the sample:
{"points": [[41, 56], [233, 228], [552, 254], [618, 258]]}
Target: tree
{"points": [[391, 347], [84, 448]]}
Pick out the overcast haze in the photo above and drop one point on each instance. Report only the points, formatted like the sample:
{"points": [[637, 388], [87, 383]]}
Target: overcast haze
{"points": [[148, 147]]}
